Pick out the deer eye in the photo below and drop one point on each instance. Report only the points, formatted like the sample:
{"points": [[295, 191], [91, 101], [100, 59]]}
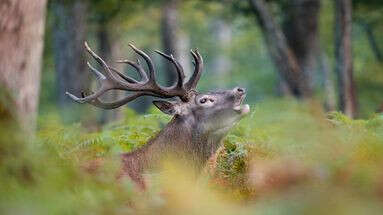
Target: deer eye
{"points": [[202, 101], [211, 100]]}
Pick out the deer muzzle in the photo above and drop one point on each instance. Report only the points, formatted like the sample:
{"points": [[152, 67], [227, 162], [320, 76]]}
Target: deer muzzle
{"points": [[240, 94]]}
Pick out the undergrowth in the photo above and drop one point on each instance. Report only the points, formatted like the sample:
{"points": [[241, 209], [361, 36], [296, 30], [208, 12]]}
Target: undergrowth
{"points": [[286, 157]]}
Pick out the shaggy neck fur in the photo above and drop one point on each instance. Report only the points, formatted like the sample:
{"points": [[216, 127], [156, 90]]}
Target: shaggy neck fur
{"points": [[182, 138]]}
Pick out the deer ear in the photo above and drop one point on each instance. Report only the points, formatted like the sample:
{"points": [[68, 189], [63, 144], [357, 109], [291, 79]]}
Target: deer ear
{"points": [[166, 107]]}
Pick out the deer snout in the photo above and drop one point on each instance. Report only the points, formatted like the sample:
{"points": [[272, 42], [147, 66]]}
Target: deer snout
{"points": [[239, 91], [239, 95]]}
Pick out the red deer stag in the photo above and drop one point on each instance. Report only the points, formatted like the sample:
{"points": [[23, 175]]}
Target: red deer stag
{"points": [[200, 120]]}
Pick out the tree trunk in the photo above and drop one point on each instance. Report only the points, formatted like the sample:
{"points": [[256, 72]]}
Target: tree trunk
{"points": [[222, 62], [69, 32], [301, 30], [170, 37], [283, 57], [184, 56], [372, 40], [343, 54], [282, 88], [109, 49], [21, 46], [328, 84]]}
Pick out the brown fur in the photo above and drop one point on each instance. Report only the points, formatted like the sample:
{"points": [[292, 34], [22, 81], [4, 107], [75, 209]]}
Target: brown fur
{"points": [[177, 138]]}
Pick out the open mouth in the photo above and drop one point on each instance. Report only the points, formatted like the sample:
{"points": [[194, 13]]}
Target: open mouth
{"points": [[240, 108]]}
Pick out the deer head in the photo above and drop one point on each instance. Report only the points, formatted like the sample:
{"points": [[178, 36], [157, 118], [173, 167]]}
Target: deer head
{"points": [[211, 113]]}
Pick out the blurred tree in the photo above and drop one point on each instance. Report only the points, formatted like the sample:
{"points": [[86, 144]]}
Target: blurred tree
{"points": [[370, 22], [69, 34], [282, 55], [21, 45], [173, 41], [108, 16], [369, 29], [222, 66], [184, 52], [110, 51], [343, 55], [294, 48], [328, 85], [300, 26], [103, 14]]}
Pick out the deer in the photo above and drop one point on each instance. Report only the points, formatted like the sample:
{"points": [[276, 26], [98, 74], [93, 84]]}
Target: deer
{"points": [[199, 121]]}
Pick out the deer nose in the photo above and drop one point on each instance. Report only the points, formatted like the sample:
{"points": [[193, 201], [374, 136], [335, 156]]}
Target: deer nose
{"points": [[240, 90]]}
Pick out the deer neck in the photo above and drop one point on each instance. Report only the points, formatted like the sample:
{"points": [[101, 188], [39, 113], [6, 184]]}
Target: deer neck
{"points": [[186, 138], [180, 137], [175, 135]]}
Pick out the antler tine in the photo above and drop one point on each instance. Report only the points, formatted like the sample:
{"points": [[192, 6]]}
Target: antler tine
{"points": [[151, 84], [107, 80], [177, 65], [198, 65], [87, 98], [100, 76], [96, 72], [112, 105], [108, 73], [126, 78], [138, 67], [148, 61]]}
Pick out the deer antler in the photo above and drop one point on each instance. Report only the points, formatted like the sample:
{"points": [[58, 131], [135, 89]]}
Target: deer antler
{"points": [[147, 86]]}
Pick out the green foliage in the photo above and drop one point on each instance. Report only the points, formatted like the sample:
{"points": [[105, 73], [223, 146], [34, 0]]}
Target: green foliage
{"points": [[36, 180], [332, 146], [123, 136], [337, 156]]}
